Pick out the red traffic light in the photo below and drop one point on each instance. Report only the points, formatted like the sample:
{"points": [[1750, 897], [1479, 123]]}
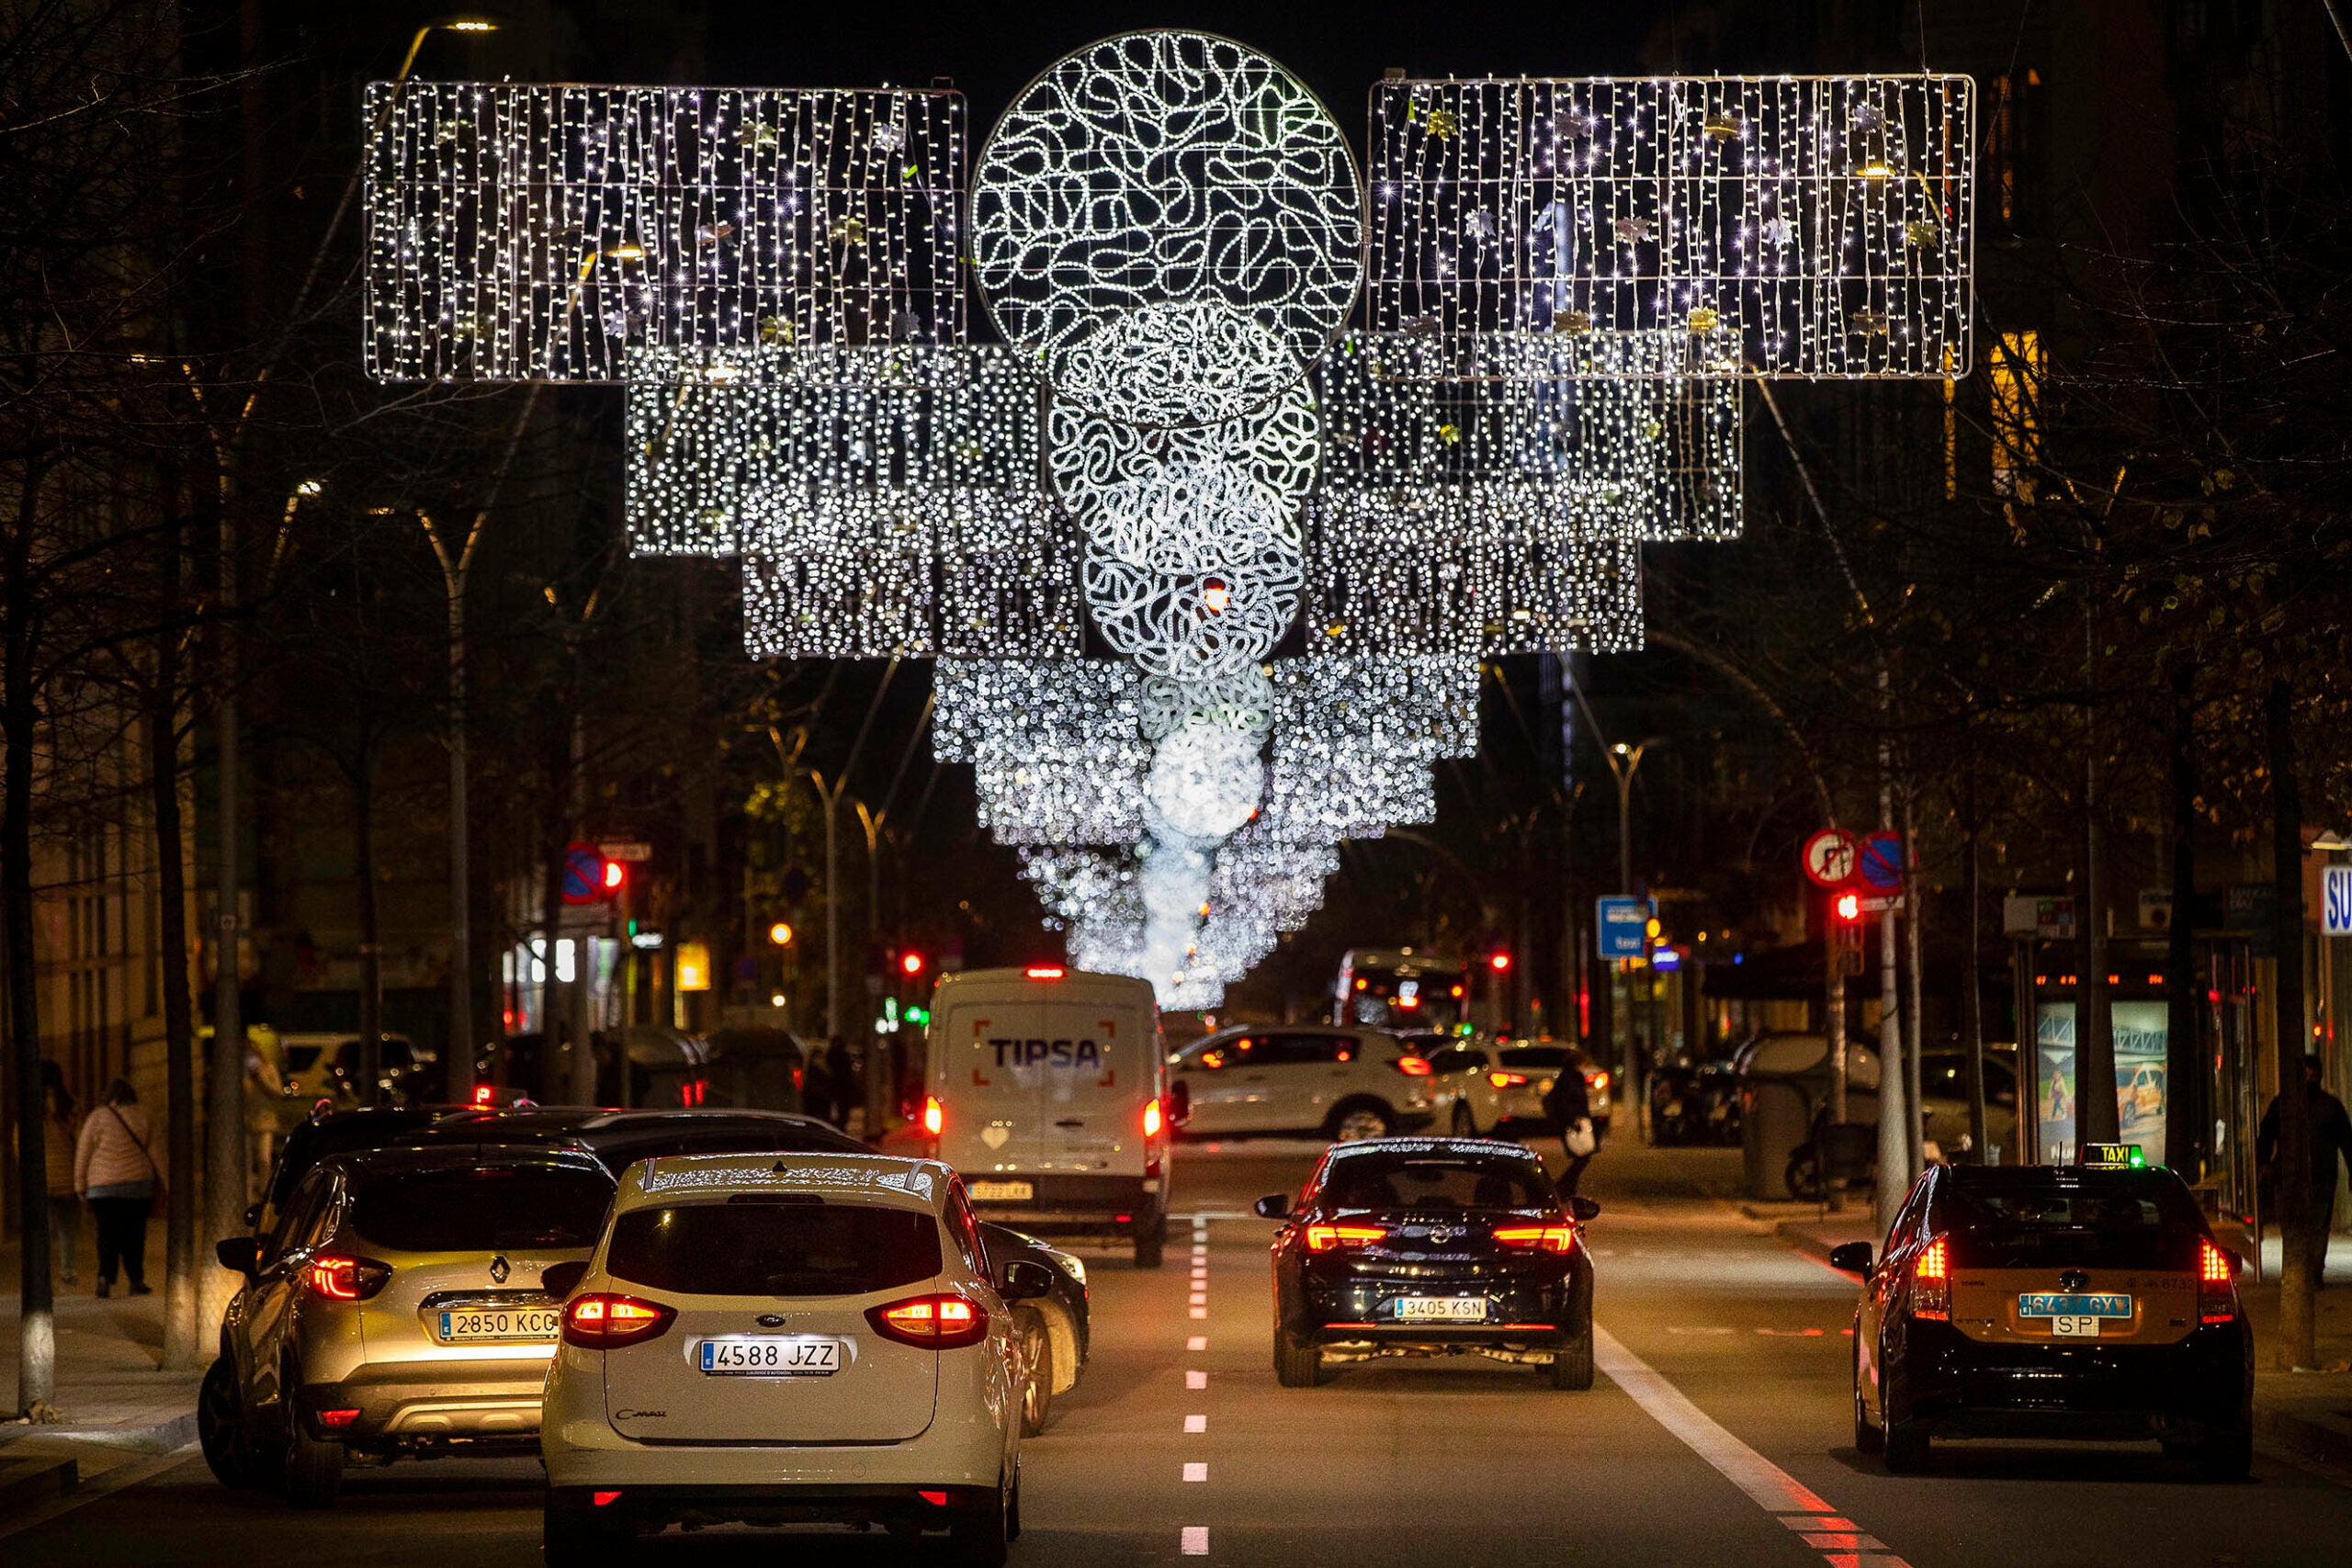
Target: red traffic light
{"points": [[1850, 906], [912, 962], [615, 875], [1502, 961]]}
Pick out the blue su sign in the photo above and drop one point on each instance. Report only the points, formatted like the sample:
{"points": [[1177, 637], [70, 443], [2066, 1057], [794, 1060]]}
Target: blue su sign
{"points": [[2336, 900], [1624, 927]]}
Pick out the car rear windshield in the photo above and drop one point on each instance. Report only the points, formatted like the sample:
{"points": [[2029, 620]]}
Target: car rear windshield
{"points": [[1403, 1181], [774, 1249], [1533, 1056], [488, 1209], [2143, 1219]]}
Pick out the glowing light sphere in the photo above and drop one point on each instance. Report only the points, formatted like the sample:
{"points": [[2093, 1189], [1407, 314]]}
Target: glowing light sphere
{"points": [[1205, 780]]}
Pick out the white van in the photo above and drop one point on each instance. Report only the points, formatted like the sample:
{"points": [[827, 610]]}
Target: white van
{"points": [[1047, 1090]]}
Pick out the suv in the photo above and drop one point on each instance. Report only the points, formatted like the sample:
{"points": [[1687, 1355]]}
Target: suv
{"points": [[1341, 1083], [397, 1308]]}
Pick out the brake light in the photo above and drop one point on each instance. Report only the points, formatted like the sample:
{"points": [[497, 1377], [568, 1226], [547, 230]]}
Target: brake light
{"points": [[931, 1323], [602, 1321], [1330, 1238], [1151, 1118], [337, 1417], [1044, 972], [1413, 1067], [1931, 1283], [346, 1279], [482, 1093], [1546, 1238], [2216, 1269], [1507, 1081], [603, 1499], [1596, 1081], [933, 1117]]}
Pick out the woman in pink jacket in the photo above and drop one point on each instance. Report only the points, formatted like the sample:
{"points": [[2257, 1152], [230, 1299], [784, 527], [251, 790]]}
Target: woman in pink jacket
{"points": [[116, 1175]]}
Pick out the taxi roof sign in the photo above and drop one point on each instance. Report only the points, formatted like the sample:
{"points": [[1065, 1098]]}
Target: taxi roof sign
{"points": [[2112, 1156]]}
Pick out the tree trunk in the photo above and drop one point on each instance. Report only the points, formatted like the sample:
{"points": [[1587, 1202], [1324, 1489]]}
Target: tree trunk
{"points": [[1972, 1000], [369, 1086], [2297, 1302], [2187, 1127], [37, 1347], [1914, 919], [183, 1347]]}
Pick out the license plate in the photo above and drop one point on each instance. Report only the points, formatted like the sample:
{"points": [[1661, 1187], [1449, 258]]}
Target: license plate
{"points": [[2073, 1327], [1442, 1309], [465, 1325], [2057, 1306], [770, 1356], [1003, 1191]]}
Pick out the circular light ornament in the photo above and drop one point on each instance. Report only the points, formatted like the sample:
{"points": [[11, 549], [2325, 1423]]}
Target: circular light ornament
{"points": [[1160, 168], [1206, 781]]}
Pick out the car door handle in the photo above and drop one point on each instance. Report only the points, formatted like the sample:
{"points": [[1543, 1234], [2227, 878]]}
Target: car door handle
{"points": [[1072, 1122]]}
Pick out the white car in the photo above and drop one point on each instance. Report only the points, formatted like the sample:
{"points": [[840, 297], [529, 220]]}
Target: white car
{"points": [[1482, 1087], [795, 1338], [1330, 1080]]}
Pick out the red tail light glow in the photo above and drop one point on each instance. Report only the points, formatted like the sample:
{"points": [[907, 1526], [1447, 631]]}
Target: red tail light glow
{"points": [[931, 1323], [1413, 1067], [2216, 1301], [1152, 1120], [1507, 1081], [1931, 1283], [603, 1499], [1331, 1238], [482, 1092], [1547, 1238], [346, 1279], [337, 1417], [1596, 1082], [602, 1321], [1044, 972], [935, 1116]]}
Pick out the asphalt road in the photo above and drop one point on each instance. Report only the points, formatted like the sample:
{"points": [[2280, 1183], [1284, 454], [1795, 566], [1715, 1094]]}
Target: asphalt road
{"points": [[1719, 1432]]}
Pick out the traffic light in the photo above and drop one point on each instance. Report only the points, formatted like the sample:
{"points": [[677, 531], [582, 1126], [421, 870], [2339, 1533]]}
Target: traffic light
{"points": [[1846, 931], [910, 964], [616, 878], [1500, 961], [780, 934]]}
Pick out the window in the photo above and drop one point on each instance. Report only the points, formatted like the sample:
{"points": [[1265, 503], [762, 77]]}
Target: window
{"points": [[765, 1247], [1400, 1181], [966, 1231], [298, 1225], [1460, 1060], [2014, 384], [482, 1210]]}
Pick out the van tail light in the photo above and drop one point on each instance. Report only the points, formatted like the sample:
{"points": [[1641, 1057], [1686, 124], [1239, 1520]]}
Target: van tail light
{"points": [[1413, 1067], [933, 1116], [1044, 972], [603, 1321], [346, 1279], [1507, 1081], [1152, 1120], [1931, 1283], [931, 1323], [1557, 1238], [1597, 1081], [2216, 1301], [1333, 1238]]}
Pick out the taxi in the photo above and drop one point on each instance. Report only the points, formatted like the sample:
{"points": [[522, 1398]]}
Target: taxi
{"points": [[790, 1338], [2068, 1302]]}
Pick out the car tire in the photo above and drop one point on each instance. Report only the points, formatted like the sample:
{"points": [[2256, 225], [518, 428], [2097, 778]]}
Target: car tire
{"points": [[1012, 1511], [221, 1428], [1572, 1363], [2226, 1453], [1356, 1120], [1801, 1176], [1298, 1362], [574, 1538], [1037, 1353], [981, 1536], [313, 1475], [1465, 1124], [1151, 1244], [1903, 1441], [1868, 1440]]}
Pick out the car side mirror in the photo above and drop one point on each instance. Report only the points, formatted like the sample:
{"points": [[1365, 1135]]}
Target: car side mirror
{"points": [[239, 1253], [1024, 1280], [1853, 1256], [560, 1280], [1274, 1206], [1179, 1103], [1584, 1209]]}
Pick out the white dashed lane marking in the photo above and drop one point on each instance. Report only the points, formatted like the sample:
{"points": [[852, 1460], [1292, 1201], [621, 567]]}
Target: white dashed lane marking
{"points": [[1193, 1539], [1194, 1542], [1196, 1469], [1197, 1342], [1196, 1423], [1196, 1380]]}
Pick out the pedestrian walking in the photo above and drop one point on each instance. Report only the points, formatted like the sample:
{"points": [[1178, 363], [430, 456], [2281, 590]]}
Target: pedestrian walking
{"points": [[61, 1124], [118, 1177], [1570, 1110], [817, 1086], [2331, 1141]]}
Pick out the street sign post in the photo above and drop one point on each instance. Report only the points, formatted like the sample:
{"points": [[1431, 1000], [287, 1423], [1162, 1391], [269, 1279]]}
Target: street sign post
{"points": [[1624, 927], [1880, 860], [584, 874], [1829, 857]]}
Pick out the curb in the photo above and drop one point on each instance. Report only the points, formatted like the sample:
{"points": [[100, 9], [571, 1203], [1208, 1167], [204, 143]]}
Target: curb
{"points": [[156, 1437], [30, 1483], [1798, 1236]]}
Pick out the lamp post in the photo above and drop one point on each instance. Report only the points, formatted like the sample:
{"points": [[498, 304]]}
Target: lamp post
{"points": [[1625, 761]]}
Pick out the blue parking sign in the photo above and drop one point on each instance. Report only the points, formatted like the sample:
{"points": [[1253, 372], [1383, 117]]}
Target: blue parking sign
{"points": [[1624, 927], [2336, 900]]}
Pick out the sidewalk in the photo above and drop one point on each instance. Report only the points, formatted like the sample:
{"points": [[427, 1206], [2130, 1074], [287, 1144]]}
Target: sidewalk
{"points": [[2308, 1414]]}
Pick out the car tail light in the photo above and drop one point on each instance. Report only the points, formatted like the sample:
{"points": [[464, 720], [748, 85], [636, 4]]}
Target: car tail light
{"points": [[603, 1499], [1931, 1283], [1413, 1067], [1507, 1081], [2216, 1301], [931, 1323], [1547, 1238], [1044, 972], [346, 1279], [1331, 1238], [933, 1116], [1151, 1118], [337, 1417], [602, 1321], [1597, 1082]]}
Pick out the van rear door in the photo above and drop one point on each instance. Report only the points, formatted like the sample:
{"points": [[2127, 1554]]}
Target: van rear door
{"points": [[991, 1103], [1042, 1083]]}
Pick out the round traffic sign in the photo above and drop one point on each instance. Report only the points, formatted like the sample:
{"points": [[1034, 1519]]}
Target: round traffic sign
{"points": [[584, 874], [1881, 863], [1829, 856]]}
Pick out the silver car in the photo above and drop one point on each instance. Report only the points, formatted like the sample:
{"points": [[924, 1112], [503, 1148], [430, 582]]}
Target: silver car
{"points": [[396, 1310]]}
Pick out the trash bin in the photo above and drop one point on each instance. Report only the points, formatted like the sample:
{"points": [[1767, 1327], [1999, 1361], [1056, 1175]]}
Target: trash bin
{"points": [[1784, 1081]]}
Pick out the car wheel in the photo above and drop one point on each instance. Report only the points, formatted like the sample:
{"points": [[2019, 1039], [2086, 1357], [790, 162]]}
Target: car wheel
{"points": [[1150, 1243], [1037, 1352], [314, 1469], [1298, 1363], [1013, 1513], [1905, 1440], [221, 1428], [1356, 1122], [1803, 1177], [1465, 1125], [2226, 1453], [1868, 1439], [1572, 1363], [575, 1538], [981, 1536]]}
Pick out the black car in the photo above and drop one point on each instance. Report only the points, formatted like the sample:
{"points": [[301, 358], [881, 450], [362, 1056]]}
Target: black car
{"points": [[2051, 1302], [1432, 1246], [334, 1133], [620, 1138], [1054, 1328]]}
